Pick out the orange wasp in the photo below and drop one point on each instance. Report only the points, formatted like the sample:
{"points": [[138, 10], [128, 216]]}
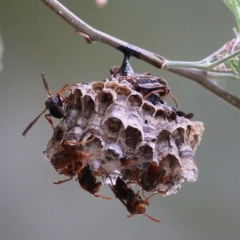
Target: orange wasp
{"points": [[70, 171], [88, 182], [154, 85], [151, 177], [70, 160], [132, 201], [53, 103]]}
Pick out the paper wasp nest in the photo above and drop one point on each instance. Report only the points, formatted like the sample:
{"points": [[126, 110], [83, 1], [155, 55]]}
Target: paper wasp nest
{"points": [[129, 132]]}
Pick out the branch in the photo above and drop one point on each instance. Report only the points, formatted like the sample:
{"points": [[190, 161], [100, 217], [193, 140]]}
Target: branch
{"points": [[202, 77]]}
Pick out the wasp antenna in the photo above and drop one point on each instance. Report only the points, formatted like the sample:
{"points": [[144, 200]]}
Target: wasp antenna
{"points": [[32, 123], [107, 198], [174, 99], [131, 215], [154, 219], [46, 84]]}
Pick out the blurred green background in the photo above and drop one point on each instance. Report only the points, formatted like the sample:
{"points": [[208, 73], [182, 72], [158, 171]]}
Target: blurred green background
{"points": [[35, 40]]}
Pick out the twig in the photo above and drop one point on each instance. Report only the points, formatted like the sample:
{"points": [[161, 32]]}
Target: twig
{"points": [[98, 36], [198, 77], [200, 65], [202, 77]]}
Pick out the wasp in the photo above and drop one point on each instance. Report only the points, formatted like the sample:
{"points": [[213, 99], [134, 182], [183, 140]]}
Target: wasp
{"points": [[70, 159], [151, 178], [68, 155], [53, 103], [131, 200], [127, 162], [88, 182], [70, 171], [151, 85]]}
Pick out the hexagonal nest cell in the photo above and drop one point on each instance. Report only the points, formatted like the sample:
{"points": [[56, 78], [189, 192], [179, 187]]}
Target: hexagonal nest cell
{"points": [[126, 129]]}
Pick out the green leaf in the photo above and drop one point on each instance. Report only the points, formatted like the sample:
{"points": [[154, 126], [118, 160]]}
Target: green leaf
{"points": [[235, 65], [234, 5]]}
